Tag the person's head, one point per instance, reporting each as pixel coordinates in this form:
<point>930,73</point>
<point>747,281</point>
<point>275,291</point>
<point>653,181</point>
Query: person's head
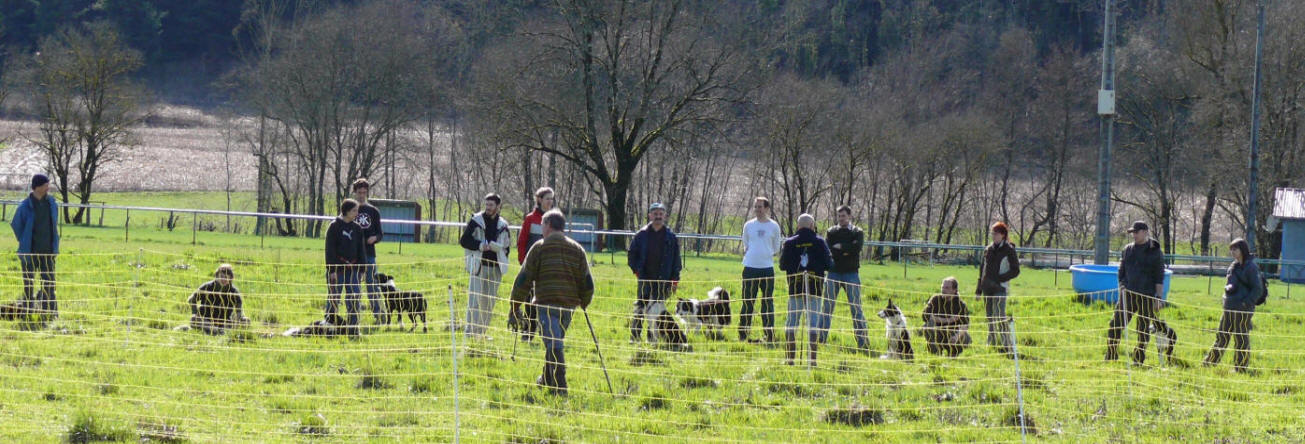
<point>806,221</point>
<point>224,274</point>
<point>1140,232</point>
<point>554,222</point>
<point>492,201</point>
<point>999,232</point>
<point>844,216</point>
<point>1239,249</point>
<point>950,285</point>
<point>761,207</point>
<point>544,198</point>
<point>657,215</point>
<point>361,189</point>
<point>349,210</point>
<point>40,185</point>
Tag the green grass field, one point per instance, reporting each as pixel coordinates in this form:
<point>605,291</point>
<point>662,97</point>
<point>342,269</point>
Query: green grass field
<point>112,367</point>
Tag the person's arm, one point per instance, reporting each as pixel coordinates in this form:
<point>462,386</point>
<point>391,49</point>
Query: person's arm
<point>380,230</point>
<point>20,221</point>
<point>522,286</point>
<point>332,253</point>
<point>786,261</point>
<point>238,303</point>
<point>747,239</point>
<point>361,251</point>
<point>826,255</point>
<point>468,240</point>
<point>193,301</point>
<point>777,238</point>
<point>523,239</point>
<point>677,261</point>
<point>1159,275</point>
<point>1013,258</point>
<point>634,255</point>
<point>983,264</point>
<point>586,284</point>
<point>1123,270</point>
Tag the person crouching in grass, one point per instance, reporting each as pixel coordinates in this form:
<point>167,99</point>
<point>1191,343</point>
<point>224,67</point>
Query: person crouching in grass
<point>217,306</point>
<point>947,321</point>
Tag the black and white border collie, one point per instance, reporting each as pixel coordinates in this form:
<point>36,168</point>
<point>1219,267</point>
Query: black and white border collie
<point>1165,339</point>
<point>899,337</point>
<point>712,313</point>
<point>410,302</point>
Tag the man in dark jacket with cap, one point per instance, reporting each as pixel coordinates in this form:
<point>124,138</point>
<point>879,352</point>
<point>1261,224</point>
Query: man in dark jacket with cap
<point>806,258</point>
<point>36,226</point>
<point>1141,282</point>
<point>654,257</point>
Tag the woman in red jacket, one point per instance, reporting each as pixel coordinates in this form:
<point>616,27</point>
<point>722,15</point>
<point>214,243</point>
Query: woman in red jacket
<point>532,230</point>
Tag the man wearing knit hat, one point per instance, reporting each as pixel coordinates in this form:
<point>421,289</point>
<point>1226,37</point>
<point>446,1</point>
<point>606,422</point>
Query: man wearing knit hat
<point>36,225</point>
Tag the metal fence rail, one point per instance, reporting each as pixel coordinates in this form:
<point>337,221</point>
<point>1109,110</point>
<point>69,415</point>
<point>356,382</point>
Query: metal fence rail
<point>906,248</point>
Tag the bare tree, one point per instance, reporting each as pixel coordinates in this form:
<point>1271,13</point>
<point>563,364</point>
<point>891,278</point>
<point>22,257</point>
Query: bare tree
<point>87,104</point>
<point>613,79</point>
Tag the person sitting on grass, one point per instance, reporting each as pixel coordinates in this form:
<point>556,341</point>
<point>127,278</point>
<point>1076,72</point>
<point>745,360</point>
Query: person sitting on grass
<point>216,306</point>
<point>947,321</point>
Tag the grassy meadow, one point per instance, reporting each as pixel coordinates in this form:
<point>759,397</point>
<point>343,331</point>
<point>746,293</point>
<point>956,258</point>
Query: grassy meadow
<point>113,369</point>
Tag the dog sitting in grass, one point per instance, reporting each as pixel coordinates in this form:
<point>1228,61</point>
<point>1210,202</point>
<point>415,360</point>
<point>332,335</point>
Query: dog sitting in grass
<point>899,337</point>
<point>410,302</point>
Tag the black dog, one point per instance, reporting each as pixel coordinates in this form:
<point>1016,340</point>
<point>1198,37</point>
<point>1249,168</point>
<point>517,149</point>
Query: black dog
<point>14,310</point>
<point>411,302</point>
<point>712,313</point>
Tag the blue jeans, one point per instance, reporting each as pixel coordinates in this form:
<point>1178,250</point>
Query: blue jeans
<point>346,281</point>
<point>758,280</point>
<point>852,283</point>
<point>797,305</point>
<point>553,322</point>
<point>374,296</point>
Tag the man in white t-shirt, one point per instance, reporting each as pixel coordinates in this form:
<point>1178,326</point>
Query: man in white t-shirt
<point>762,238</point>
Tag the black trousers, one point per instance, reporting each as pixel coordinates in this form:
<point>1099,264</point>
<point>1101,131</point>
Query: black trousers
<point>38,270</point>
<point>1236,324</point>
<point>1129,304</point>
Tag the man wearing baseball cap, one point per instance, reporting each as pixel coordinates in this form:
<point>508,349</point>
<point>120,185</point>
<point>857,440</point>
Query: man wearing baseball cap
<point>1141,282</point>
<point>654,257</point>
<point>36,225</point>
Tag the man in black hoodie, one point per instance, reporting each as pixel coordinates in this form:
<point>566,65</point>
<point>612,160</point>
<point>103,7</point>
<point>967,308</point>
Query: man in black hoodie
<point>345,254</point>
<point>1141,282</point>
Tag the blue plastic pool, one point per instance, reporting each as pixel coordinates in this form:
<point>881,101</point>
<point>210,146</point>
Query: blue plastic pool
<point>1101,282</point>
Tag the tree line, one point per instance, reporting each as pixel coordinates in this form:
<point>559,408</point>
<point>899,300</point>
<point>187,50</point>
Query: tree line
<point>930,118</point>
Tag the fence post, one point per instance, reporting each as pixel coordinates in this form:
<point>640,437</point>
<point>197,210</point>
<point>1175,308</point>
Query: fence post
<point>1019,380</point>
<point>126,228</point>
<point>194,228</point>
<point>453,335</point>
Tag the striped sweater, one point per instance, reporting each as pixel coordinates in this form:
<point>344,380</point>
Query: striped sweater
<point>558,270</point>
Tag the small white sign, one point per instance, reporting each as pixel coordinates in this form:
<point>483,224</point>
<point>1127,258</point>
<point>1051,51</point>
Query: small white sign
<point>1106,102</point>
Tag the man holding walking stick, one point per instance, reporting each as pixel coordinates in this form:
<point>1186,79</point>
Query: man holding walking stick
<point>558,270</point>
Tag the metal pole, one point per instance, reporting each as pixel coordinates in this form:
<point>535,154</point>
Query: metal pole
<point>1019,381</point>
<point>599,352</point>
<point>453,333</point>
<point>194,228</point>
<point>1106,108</point>
<point>126,228</point>
<point>1255,127</point>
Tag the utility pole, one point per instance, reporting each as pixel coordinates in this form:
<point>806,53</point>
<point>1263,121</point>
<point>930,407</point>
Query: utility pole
<point>1106,109</point>
<point>1255,128</point>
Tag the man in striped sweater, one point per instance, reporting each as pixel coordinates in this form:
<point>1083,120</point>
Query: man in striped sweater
<point>557,268</point>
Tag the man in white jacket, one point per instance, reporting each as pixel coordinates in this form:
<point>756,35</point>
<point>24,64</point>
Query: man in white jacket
<point>487,243</point>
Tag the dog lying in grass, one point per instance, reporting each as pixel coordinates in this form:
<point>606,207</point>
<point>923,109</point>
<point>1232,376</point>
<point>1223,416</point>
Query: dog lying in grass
<point>410,302</point>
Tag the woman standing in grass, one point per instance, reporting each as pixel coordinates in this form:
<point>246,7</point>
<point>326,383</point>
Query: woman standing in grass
<point>1240,295</point>
<point>1001,264</point>
<point>345,257</point>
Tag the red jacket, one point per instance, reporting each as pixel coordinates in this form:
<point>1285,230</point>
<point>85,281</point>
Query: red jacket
<point>532,224</point>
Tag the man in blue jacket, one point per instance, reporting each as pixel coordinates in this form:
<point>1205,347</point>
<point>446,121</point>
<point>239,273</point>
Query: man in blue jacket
<point>36,225</point>
<point>806,258</point>
<point>654,257</point>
